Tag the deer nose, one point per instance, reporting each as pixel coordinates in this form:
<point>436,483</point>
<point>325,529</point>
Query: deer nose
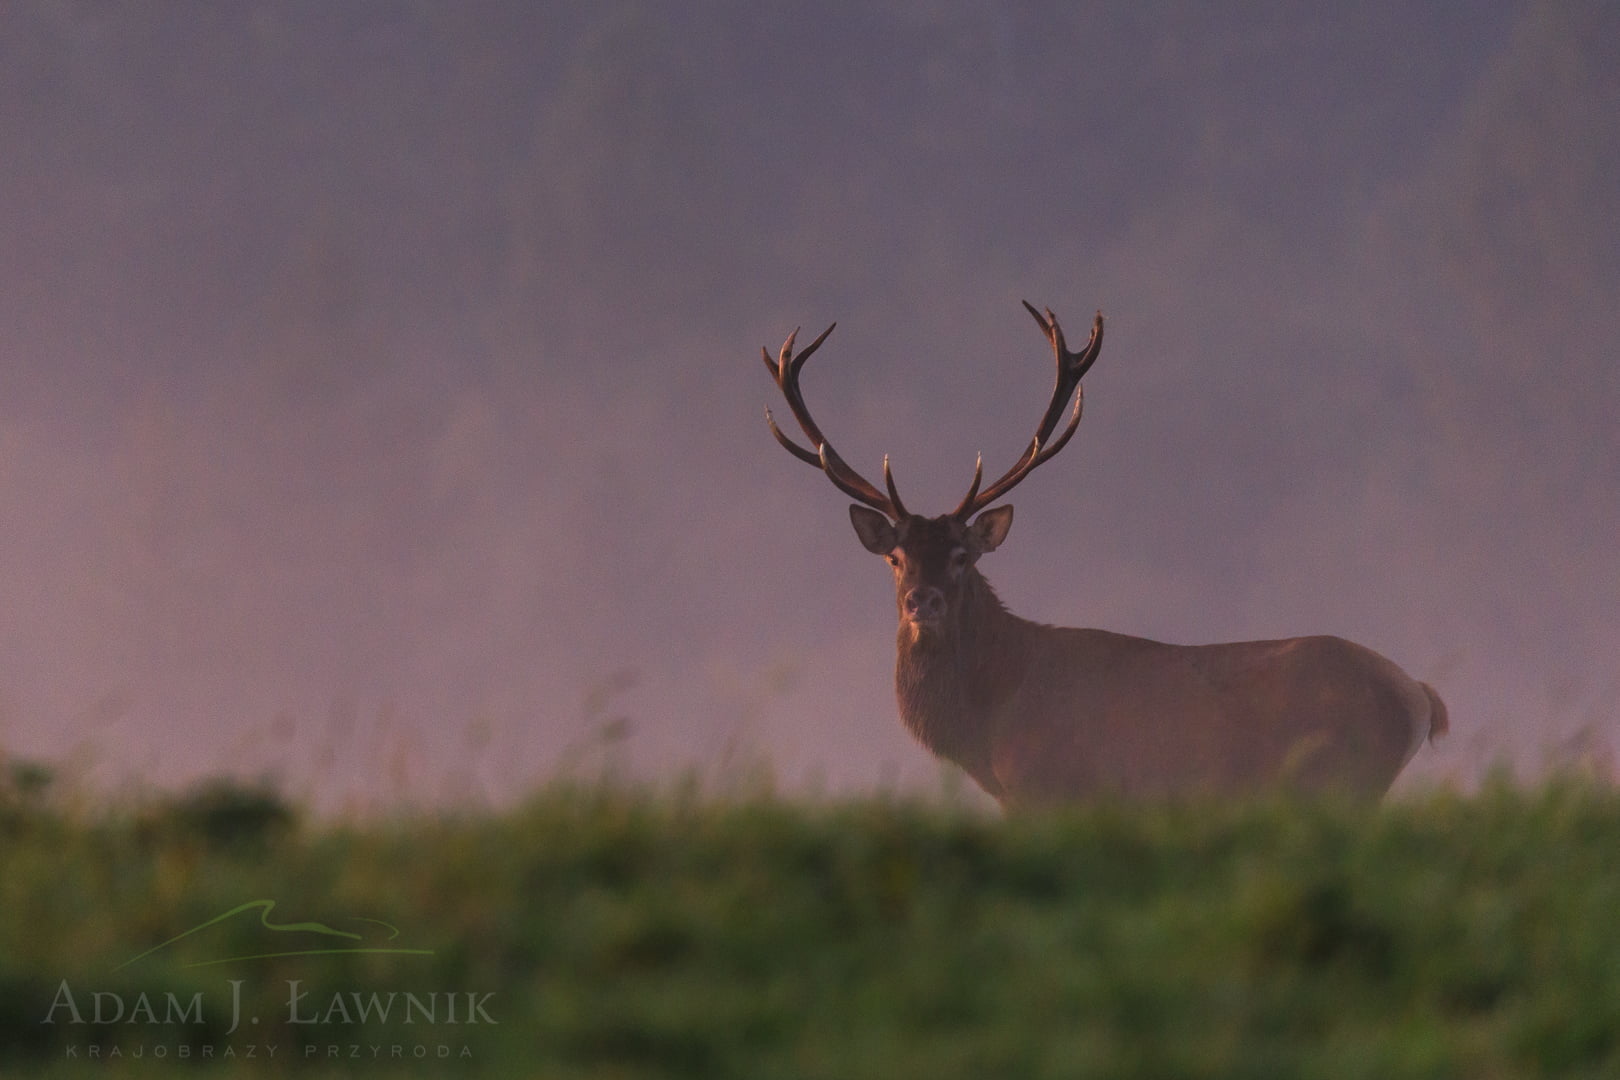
<point>925,602</point>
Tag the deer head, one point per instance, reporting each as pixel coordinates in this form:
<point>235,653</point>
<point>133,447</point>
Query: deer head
<point>934,557</point>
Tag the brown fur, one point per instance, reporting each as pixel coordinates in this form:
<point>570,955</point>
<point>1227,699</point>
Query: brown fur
<point>1039,714</point>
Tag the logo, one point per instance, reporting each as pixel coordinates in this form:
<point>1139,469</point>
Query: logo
<point>355,941</point>
<point>265,1017</point>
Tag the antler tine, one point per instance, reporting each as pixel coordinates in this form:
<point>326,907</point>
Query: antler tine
<point>1071,367</point>
<point>963,508</point>
<point>809,350</point>
<point>894,493</point>
<point>792,447</point>
<point>785,372</point>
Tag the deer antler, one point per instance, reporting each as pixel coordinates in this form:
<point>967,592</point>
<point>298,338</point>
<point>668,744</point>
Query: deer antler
<point>1071,367</point>
<point>785,370</point>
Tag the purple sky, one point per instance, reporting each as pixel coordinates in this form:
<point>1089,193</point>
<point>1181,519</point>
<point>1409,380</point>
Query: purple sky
<point>381,407</point>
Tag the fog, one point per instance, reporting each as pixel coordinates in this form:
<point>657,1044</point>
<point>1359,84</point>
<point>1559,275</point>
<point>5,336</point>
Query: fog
<point>381,410</point>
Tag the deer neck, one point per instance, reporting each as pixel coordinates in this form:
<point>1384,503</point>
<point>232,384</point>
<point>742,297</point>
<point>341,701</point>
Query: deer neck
<point>951,680</point>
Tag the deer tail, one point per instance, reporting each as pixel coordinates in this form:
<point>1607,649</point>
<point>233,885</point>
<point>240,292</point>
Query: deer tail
<point>1439,722</point>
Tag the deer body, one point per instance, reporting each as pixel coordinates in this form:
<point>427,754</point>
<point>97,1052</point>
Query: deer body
<point>1039,714</point>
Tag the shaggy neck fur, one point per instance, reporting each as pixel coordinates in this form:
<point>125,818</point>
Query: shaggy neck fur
<point>951,678</point>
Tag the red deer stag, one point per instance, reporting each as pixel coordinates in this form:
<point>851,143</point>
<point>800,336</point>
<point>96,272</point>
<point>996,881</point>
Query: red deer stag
<point>1040,714</point>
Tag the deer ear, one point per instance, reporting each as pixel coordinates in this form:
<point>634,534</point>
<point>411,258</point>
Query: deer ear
<point>874,529</point>
<point>989,529</point>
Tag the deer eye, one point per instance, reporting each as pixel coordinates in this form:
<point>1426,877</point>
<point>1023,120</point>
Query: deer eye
<point>959,559</point>
<point>894,560</point>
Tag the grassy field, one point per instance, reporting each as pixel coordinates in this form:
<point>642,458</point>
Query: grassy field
<point>604,933</point>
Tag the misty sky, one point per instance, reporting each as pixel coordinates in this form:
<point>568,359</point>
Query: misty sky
<point>381,410</point>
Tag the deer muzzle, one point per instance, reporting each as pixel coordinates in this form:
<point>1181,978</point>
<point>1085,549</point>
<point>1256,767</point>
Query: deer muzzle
<point>923,604</point>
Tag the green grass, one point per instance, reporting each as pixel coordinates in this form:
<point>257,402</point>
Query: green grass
<point>636,935</point>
